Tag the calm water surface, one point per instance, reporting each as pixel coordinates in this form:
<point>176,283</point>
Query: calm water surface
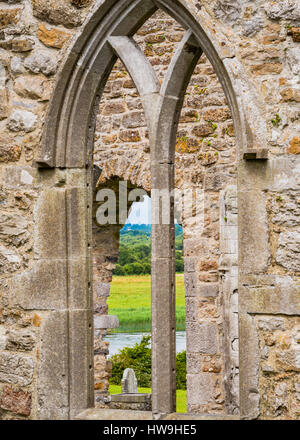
<point>121,340</point>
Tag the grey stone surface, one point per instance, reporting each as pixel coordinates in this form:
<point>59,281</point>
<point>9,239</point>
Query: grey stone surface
<point>103,290</point>
<point>271,324</point>
<point>16,369</point>
<point>201,338</point>
<point>50,224</point>
<point>114,414</point>
<point>41,62</point>
<point>293,57</point>
<point>252,26</point>
<point>20,340</point>
<point>249,362</point>
<point>106,321</point>
<point>200,388</point>
<point>209,290</point>
<point>288,253</point>
<point>53,371</point>
<point>254,253</point>
<point>285,9</point>
<point>10,260</point>
<point>43,288</point>
<point>22,120</point>
<point>129,382</point>
<point>228,10</point>
<point>190,284</point>
<point>81,361</point>
<point>273,294</point>
<point>3,337</point>
<point>131,398</point>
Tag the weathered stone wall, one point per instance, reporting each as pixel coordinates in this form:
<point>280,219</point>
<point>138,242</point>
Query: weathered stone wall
<point>259,44</point>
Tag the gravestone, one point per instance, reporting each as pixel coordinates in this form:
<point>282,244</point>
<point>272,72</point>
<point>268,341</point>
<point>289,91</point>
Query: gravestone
<point>129,382</point>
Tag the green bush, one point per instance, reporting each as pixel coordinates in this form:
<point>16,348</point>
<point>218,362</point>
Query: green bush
<point>181,371</point>
<point>139,358</point>
<point>119,270</point>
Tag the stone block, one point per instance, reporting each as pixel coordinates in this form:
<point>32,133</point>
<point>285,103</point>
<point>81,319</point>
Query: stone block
<point>254,247</point>
<point>269,294</point>
<point>103,290</point>
<point>10,260</point>
<point>210,290</point>
<point>229,246</point>
<point>201,338</point>
<point>42,288</point>
<point>22,120</point>
<point>289,360</point>
<point>193,363</point>
<point>249,363</point>
<point>16,401</point>
<point>16,177</point>
<point>77,205</point>
<point>20,340</point>
<point>189,265</point>
<point>81,361</point>
<point>141,402</point>
<point>16,369</point>
<point>41,61</point>
<point>106,322</point>
<point>200,388</point>
<point>271,324</point>
<point>190,284</point>
<point>50,224</point>
<point>52,37</point>
<point>57,12</point>
<point>3,337</point>
<point>288,252</point>
<point>9,17</point>
<point>53,371</point>
<point>191,309</point>
<point>79,284</point>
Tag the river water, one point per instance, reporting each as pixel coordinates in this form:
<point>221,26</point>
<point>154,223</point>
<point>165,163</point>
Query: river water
<point>120,340</point>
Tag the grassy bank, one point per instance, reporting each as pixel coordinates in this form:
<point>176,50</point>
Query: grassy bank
<point>130,301</point>
<point>180,396</point>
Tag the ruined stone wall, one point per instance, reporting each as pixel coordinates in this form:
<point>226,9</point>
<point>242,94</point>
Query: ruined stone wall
<point>259,44</point>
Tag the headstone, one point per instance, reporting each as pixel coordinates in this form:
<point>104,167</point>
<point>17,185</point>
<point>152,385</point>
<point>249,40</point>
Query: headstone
<point>129,382</point>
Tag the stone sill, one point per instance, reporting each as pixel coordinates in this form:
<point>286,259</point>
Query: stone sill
<point>116,414</point>
<point>131,398</point>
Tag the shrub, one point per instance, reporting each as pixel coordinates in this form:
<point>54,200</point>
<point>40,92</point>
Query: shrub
<point>139,358</point>
<point>181,371</point>
<point>119,270</point>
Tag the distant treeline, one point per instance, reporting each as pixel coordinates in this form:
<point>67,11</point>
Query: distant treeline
<point>135,250</point>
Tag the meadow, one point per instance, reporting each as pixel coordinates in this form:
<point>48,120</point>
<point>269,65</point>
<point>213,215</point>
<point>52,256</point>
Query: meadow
<point>130,301</point>
<point>180,396</point>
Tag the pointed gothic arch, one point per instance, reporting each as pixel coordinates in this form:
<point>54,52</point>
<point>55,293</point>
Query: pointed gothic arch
<point>68,144</point>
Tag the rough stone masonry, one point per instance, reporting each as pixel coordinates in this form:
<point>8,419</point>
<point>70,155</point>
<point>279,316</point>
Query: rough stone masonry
<point>241,272</point>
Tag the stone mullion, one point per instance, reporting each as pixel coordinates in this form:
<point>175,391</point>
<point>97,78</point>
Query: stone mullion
<point>163,292</point>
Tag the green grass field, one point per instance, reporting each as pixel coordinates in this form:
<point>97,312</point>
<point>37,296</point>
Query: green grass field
<point>130,301</point>
<point>180,396</point>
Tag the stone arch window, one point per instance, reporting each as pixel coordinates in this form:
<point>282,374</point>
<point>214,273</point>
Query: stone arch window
<point>67,144</point>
